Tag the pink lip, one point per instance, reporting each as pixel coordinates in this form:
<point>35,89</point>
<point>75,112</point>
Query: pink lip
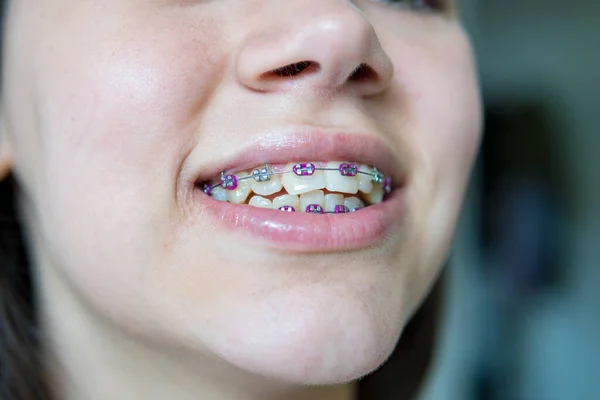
<point>305,232</point>
<point>278,149</point>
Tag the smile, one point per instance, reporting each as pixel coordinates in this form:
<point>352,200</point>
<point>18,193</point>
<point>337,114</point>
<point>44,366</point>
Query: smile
<point>307,206</point>
<point>314,187</point>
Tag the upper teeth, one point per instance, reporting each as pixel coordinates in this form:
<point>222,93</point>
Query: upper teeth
<point>341,178</point>
<point>365,179</point>
<point>304,183</point>
<point>267,187</point>
<point>241,192</point>
<point>302,180</point>
<point>261,174</point>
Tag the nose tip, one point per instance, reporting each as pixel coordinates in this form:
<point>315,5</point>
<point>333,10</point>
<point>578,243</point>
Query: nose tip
<point>328,51</point>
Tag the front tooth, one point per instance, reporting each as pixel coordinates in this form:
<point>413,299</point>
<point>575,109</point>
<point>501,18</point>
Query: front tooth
<point>314,197</point>
<point>332,200</point>
<point>286,200</point>
<point>294,184</point>
<point>365,182</point>
<point>261,202</point>
<point>353,203</point>
<point>336,182</point>
<point>267,188</point>
<point>376,195</point>
<point>218,193</point>
<point>241,192</point>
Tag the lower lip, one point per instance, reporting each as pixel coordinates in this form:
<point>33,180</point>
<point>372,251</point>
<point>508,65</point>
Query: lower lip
<point>306,232</point>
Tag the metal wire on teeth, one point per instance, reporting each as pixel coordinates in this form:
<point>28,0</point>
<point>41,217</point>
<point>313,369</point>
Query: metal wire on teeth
<point>318,209</point>
<point>264,174</point>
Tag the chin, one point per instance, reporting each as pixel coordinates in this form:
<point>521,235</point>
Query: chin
<point>316,336</point>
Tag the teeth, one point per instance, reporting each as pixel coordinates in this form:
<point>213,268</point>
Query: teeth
<point>286,200</point>
<point>228,182</point>
<point>260,202</point>
<point>267,188</point>
<point>294,184</point>
<point>219,193</point>
<point>305,183</point>
<point>387,185</point>
<point>378,177</point>
<point>376,195</point>
<point>365,182</point>
<point>335,182</point>
<point>261,174</point>
<point>241,192</point>
<point>353,202</point>
<point>332,200</point>
<point>314,197</point>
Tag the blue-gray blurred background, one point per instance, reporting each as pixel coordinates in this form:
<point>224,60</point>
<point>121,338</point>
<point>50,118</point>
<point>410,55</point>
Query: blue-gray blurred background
<point>522,316</point>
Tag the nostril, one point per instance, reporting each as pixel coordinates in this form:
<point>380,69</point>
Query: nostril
<point>293,69</point>
<point>363,72</point>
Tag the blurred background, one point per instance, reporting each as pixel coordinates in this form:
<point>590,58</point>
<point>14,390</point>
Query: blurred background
<point>521,318</point>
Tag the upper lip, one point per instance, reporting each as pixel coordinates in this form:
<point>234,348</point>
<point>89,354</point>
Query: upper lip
<point>317,146</point>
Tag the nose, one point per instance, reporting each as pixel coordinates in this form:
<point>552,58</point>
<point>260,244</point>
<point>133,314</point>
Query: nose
<point>318,44</point>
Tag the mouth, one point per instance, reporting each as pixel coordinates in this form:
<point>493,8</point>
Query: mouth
<point>333,187</point>
<point>278,195</point>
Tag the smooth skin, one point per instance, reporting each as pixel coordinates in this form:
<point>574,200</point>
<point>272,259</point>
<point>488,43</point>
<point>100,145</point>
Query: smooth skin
<point>107,105</point>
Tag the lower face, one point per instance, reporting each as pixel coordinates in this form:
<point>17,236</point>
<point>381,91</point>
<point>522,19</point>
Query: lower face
<point>119,112</point>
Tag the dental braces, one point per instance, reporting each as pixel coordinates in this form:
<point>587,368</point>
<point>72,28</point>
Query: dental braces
<point>230,182</point>
<point>318,209</point>
<point>264,174</point>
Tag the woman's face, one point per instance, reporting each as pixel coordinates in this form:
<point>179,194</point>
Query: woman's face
<point>114,112</point>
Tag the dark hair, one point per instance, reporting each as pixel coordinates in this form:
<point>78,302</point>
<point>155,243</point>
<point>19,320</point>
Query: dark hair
<point>21,368</point>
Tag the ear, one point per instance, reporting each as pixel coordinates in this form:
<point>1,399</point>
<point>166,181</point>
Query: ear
<point>5,151</point>
<point>5,163</point>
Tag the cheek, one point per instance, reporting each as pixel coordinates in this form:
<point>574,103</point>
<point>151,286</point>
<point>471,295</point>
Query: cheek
<point>445,117</point>
<point>115,94</point>
<point>442,120</point>
<point>452,117</point>
<point>116,118</point>
<point>440,106</point>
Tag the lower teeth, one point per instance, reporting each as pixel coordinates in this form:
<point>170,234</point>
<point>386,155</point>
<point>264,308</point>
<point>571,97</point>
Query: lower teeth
<point>314,202</point>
